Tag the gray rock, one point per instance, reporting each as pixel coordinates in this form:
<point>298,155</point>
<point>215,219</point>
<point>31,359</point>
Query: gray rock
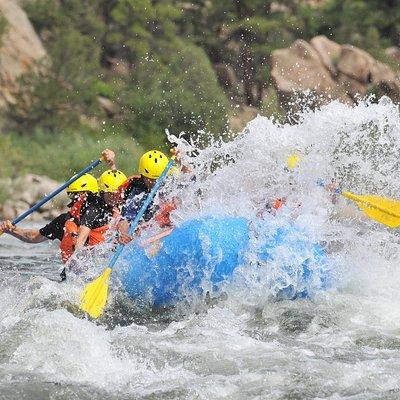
<point>352,87</point>
<point>328,71</point>
<point>328,51</point>
<point>26,191</point>
<point>21,50</point>
<point>356,64</point>
<point>299,68</point>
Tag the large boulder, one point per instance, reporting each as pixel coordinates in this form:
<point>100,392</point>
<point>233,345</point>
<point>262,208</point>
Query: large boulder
<point>299,68</point>
<point>329,71</point>
<point>376,77</point>
<point>20,50</point>
<point>328,51</point>
<point>353,88</point>
<point>357,64</point>
<point>390,88</point>
<point>26,191</point>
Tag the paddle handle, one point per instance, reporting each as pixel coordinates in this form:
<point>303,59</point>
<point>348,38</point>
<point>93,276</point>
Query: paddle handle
<point>39,204</point>
<point>142,210</point>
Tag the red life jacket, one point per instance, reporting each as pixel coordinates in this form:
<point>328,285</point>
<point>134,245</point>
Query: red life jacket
<point>278,203</point>
<point>163,217</point>
<point>71,227</point>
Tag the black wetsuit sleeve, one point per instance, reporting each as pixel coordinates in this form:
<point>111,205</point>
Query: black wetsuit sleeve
<point>55,229</point>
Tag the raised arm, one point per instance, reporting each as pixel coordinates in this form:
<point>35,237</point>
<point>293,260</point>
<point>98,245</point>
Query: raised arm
<point>109,157</point>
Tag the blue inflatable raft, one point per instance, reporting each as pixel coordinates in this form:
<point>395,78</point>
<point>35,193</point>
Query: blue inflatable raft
<point>202,255</point>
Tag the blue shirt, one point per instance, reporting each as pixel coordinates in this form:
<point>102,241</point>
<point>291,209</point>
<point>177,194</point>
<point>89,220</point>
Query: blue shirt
<point>136,195</point>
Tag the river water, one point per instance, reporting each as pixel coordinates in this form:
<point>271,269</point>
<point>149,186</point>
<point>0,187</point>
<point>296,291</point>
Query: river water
<point>344,343</point>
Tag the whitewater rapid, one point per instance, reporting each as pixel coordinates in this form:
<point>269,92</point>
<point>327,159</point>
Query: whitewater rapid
<point>342,343</point>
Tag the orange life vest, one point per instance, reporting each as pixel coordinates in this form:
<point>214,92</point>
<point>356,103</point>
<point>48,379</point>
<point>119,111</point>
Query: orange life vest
<point>71,227</point>
<point>163,217</point>
<point>278,203</point>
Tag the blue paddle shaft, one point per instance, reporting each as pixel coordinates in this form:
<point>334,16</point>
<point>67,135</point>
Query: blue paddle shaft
<point>56,192</point>
<point>142,210</point>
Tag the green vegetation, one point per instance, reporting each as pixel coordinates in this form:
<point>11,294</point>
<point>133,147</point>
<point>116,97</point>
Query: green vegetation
<point>120,72</point>
<point>365,23</point>
<point>61,156</point>
<point>168,82</point>
<point>3,27</point>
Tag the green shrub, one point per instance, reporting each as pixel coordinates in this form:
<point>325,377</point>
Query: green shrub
<point>182,95</point>
<point>59,157</point>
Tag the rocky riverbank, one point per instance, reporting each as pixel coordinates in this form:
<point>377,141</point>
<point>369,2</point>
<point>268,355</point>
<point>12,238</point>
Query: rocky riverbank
<point>331,71</point>
<point>25,191</point>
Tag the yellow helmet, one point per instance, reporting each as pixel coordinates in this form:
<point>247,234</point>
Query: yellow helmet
<point>111,180</point>
<point>86,183</point>
<point>292,161</point>
<point>152,164</point>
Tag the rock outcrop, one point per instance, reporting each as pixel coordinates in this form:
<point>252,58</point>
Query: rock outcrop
<point>20,50</point>
<point>300,68</point>
<point>330,71</point>
<point>26,191</point>
<point>328,51</point>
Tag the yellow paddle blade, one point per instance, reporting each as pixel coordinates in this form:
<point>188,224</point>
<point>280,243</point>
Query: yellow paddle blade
<point>94,296</point>
<point>381,209</point>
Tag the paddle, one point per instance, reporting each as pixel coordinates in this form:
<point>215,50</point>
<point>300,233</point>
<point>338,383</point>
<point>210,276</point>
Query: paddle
<point>39,204</point>
<point>381,209</point>
<point>94,296</point>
